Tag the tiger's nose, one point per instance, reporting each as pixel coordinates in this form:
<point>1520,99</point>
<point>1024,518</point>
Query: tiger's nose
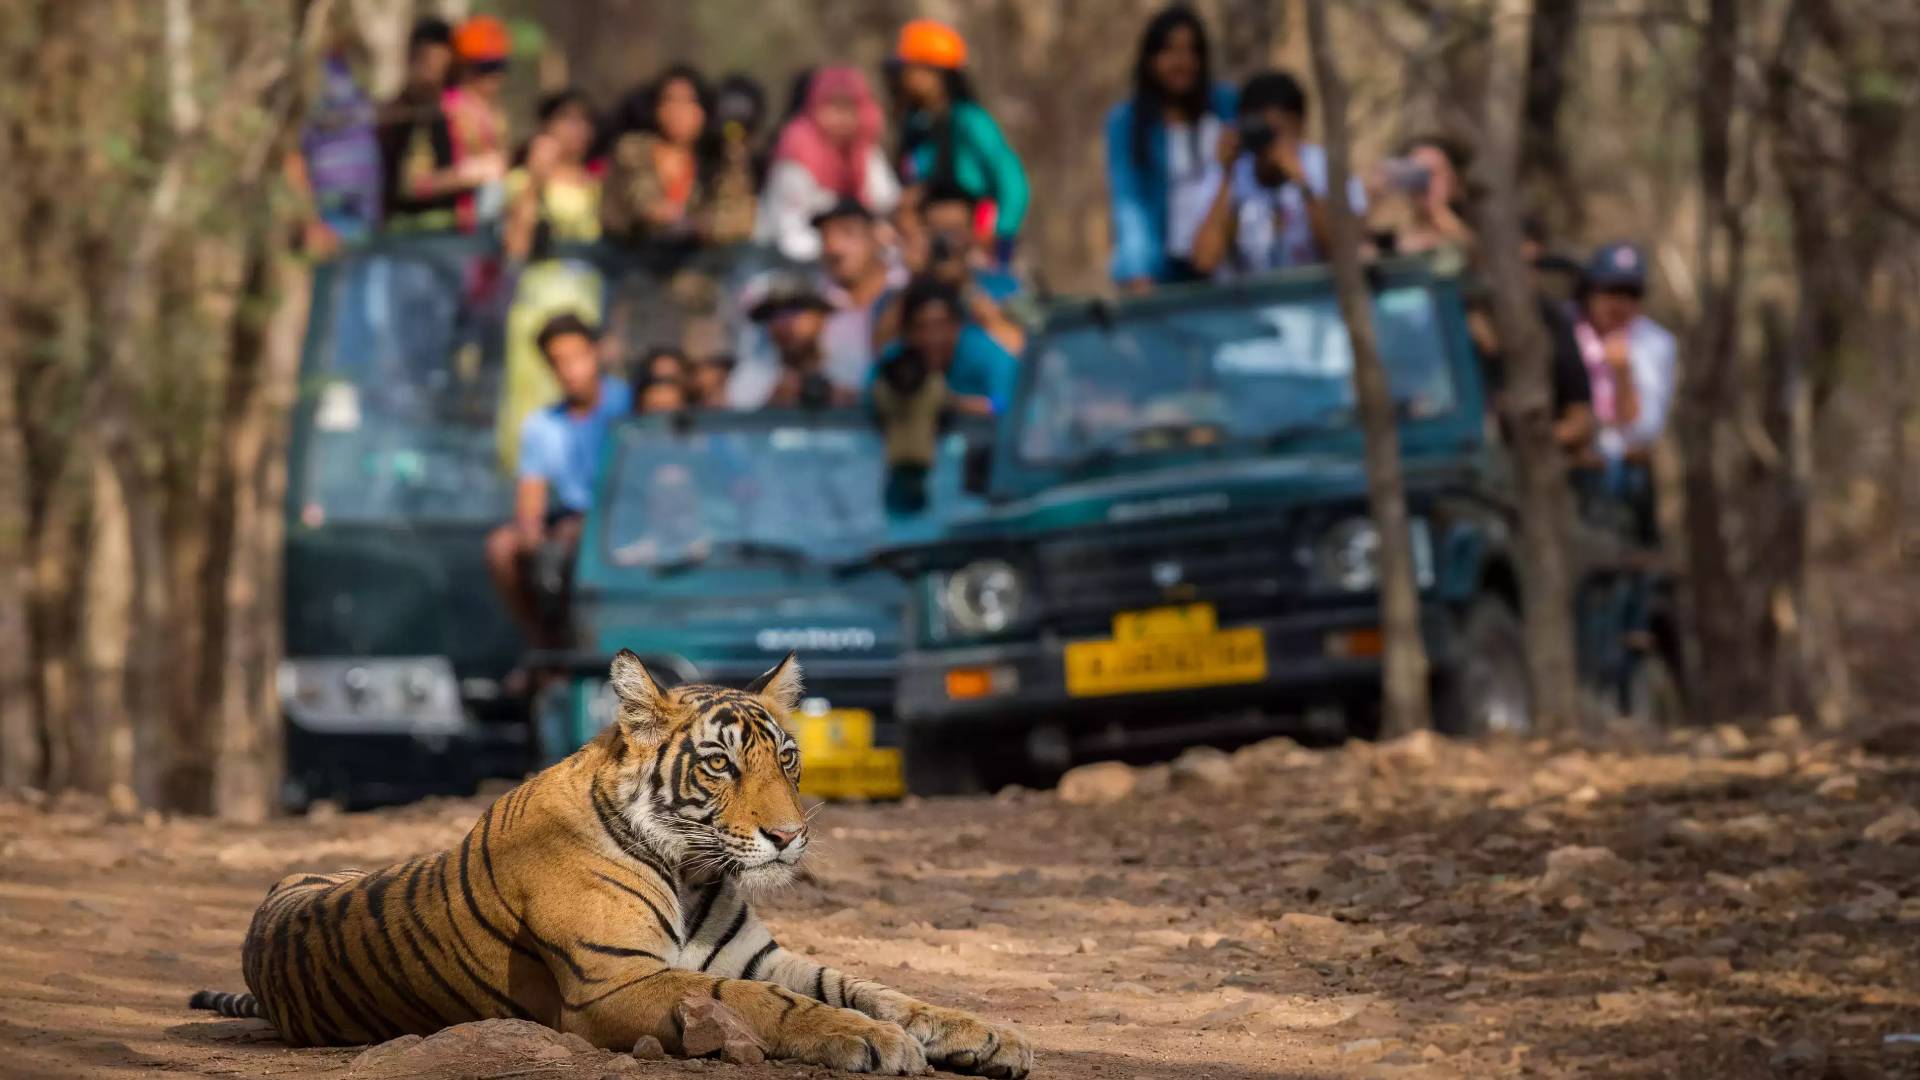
<point>783,836</point>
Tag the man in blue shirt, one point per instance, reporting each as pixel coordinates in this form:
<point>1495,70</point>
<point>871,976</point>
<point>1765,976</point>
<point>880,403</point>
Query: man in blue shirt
<point>559,460</point>
<point>939,346</point>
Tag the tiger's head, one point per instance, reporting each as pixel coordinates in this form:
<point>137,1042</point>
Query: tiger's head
<point>708,776</point>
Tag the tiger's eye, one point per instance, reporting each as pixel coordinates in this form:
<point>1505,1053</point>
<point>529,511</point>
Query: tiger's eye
<point>715,762</point>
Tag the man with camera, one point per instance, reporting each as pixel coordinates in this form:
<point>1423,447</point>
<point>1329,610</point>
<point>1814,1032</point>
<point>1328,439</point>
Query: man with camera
<point>794,313</point>
<point>942,367</point>
<point>941,244</point>
<point>1269,211</point>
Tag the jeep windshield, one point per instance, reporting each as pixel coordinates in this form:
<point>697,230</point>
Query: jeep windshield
<point>787,495</point>
<point>403,381</point>
<point>1225,372</point>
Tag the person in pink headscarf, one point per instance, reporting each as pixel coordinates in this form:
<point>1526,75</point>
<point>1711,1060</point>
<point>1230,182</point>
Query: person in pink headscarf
<point>828,152</point>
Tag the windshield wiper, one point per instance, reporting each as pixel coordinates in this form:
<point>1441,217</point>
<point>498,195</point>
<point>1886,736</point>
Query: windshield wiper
<point>1340,416</point>
<point>792,556</point>
<point>1129,442</point>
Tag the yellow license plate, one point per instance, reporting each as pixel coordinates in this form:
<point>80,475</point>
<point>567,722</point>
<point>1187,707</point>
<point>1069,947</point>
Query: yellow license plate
<point>1172,648</point>
<point>839,761</point>
<point>836,731</point>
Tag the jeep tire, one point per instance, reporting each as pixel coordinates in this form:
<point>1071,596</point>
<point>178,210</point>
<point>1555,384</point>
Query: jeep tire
<point>1486,692</point>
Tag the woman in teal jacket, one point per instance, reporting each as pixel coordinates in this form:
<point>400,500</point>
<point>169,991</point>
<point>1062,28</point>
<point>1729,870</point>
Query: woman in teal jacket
<point>1162,167</point>
<point>949,139</point>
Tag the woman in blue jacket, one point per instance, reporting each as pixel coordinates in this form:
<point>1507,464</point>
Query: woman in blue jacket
<point>1162,167</point>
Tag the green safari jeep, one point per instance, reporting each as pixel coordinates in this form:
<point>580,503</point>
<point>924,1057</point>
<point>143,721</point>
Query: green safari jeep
<point>1178,549</point>
<point>721,541</point>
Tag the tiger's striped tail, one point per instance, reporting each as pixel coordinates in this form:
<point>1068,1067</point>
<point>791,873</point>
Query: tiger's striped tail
<point>238,1005</point>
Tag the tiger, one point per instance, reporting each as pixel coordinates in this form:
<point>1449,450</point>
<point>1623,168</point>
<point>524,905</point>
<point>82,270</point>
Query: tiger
<point>598,895</point>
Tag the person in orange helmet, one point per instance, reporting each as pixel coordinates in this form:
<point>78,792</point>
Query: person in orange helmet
<point>948,139</point>
<point>476,121</point>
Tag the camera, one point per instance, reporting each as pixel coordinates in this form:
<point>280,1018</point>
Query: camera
<point>1407,176</point>
<point>905,374</point>
<point>816,392</point>
<point>941,249</point>
<point>1256,134</point>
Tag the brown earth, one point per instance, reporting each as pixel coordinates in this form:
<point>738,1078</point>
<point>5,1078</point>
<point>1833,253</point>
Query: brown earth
<point>1723,905</point>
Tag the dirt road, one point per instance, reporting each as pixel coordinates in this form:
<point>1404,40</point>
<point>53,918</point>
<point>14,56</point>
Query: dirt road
<point>1721,906</point>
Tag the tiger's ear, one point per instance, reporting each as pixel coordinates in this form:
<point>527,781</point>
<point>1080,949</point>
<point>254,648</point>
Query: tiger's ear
<point>641,700</point>
<point>781,683</point>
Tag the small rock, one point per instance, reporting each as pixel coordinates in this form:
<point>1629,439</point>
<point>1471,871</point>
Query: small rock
<point>576,1043</point>
<point>1088,945</point>
<point>1800,1056</point>
<point>1894,827</point>
<point>1364,1048</point>
<point>1730,740</point>
<point>1307,927</point>
<point>1416,749</point>
<point>1839,786</point>
<point>1573,870</point>
<point>322,811</point>
<point>1772,765</point>
<point>1097,784</point>
<point>1012,793</point>
<point>1785,727</point>
<point>648,1048</point>
<point>618,1068</point>
<point>1750,828</point>
<point>709,1027</point>
<point>1226,1014</point>
<point>1611,939</point>
<point>385,1054</point>
<point>1204,767</point>
<point>1150,780</point>
<point>463,1048</point>
<point>1691,834</point>
<point>1696,969</point>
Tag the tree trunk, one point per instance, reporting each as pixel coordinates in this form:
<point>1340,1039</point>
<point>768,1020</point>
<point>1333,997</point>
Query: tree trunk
<point>1405,683</point>
<point>1546,175</point>
<point>1718,610</point>
<point>21,756</point>
<point>1547,580</point>
<point>248,527</point>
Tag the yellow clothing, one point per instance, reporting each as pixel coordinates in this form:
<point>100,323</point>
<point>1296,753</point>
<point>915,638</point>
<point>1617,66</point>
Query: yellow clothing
<point>570,208</point>
<point>545,289</point>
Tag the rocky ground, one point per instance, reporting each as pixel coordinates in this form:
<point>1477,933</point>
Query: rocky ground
<point>1720,904</point>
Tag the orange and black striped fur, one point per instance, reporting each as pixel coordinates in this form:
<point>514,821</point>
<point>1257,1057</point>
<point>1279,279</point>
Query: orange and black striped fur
<point>595,897</point>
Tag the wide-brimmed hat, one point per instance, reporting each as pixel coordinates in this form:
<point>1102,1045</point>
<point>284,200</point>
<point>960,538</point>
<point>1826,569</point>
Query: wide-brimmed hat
<point>782,291</point>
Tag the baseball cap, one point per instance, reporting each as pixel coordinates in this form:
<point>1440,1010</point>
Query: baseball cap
<point>1617,266</point>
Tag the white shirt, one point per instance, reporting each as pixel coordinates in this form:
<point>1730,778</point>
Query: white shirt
<point>1273,231</point>
<point>846,347</point>
<point>1193,175</point>
<point>791,197</point>
<point>1653,359</point>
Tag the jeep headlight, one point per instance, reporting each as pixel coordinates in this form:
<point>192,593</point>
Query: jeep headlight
<point>1347,556</point>
<point>985,596</point>
<point>417,694</point>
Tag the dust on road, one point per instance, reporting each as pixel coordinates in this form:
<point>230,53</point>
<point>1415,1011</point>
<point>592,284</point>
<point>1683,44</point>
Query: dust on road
<point>1719,905</point>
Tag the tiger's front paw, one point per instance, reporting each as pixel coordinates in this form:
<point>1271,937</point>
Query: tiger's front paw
<point>964,1043</point>
<point>851,1041</point>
